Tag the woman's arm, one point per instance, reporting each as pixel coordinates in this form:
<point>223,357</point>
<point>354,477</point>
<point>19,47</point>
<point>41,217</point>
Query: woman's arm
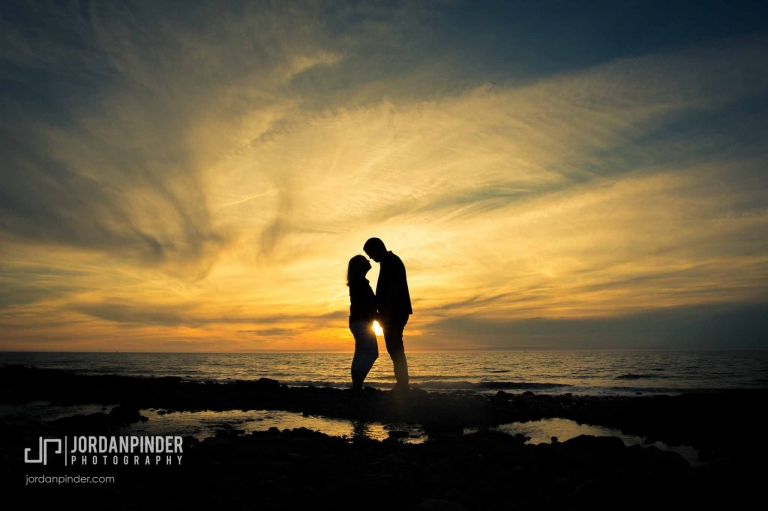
<point>371,304</point>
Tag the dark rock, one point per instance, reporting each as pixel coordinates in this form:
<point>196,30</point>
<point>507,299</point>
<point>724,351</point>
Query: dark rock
<point>539,481</point>
<point>596,444</point>
<point>517,473</point>
<point>521,438</point>
<point>390,442</point>
<point>715,470</point>
<point>226,433</point>
<point>585,450</point>
<point>125,415</point>
<point>554,439</point>
<point>95,424</point>
<point>188,442</point>
<point>438,505</point>
<point>460,497</point>
<point>260,385</point>
<point>303,432</point>
<point>591,488</point>
<point>448,427</point>
<point>665,459</point>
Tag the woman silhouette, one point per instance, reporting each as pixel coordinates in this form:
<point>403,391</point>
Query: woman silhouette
<point>362,312</point>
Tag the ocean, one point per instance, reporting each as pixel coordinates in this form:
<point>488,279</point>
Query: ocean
<point>616,372</point>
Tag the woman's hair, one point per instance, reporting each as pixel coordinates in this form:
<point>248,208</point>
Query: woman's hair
<point>358,265</point>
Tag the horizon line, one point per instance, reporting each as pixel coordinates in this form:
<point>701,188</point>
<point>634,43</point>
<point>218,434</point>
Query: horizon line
<point>454,350</point>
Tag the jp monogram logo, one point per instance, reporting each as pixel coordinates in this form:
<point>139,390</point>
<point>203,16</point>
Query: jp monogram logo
<point>43,455</point>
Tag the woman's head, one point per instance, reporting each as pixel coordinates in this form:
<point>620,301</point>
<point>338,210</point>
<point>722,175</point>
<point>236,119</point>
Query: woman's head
<point>358,267</point>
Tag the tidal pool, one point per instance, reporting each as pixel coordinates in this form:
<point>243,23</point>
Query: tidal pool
<point>207,423</point>
<point>542,431</point>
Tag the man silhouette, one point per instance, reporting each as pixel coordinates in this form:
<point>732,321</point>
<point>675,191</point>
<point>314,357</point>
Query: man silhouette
<point>394,305</point>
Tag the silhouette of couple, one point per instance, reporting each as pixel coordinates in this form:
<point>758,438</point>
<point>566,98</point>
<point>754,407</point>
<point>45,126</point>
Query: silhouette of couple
<point>390,306</point>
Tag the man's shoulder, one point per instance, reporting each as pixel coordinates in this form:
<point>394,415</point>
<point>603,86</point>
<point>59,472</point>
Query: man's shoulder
<point>395,259</point>
<point>395,263</point>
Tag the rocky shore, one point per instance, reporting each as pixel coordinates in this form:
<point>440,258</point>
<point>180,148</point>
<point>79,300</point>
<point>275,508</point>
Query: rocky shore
<point>298,468</point>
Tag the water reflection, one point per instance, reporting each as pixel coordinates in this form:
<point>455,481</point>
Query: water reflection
<point>207,424</point>
<point>542,431</point>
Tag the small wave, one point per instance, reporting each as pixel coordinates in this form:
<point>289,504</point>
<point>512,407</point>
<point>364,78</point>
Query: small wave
<point>638,376</point>
<point>628,391</point>
<point>443,385</point>
<point>440,384</point>
<point>484,385</point>
<point>500,371</point>
<point>518,385</point>
<point>316,383</point>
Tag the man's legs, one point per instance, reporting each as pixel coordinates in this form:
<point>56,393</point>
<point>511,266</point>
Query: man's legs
<point>393,337</point>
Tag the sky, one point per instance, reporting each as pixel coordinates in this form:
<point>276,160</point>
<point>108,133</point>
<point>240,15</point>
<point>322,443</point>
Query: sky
<point>195,176</point>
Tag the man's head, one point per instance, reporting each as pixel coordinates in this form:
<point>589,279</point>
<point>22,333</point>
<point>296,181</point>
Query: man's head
<point>375,249</point>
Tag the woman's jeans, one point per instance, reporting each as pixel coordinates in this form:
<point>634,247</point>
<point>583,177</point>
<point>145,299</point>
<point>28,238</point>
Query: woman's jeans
<point>366,346</point>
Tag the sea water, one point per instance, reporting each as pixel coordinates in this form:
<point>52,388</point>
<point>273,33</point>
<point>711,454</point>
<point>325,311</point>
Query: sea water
<point>554,372</point>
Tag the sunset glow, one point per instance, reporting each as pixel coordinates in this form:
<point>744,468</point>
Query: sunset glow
<point>207,195</point>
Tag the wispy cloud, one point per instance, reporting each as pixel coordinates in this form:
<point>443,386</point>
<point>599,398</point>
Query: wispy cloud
<point>200,178</point>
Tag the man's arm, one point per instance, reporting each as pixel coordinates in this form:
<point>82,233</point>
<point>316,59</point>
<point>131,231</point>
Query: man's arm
<point>394,285</point>
<point>392,289</point>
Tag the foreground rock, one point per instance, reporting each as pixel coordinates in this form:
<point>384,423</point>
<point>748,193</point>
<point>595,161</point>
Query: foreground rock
<point>303,469</point>
<point>126,415</point>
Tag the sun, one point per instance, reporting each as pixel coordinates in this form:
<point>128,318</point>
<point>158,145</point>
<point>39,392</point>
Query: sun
<point>377,328</point>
